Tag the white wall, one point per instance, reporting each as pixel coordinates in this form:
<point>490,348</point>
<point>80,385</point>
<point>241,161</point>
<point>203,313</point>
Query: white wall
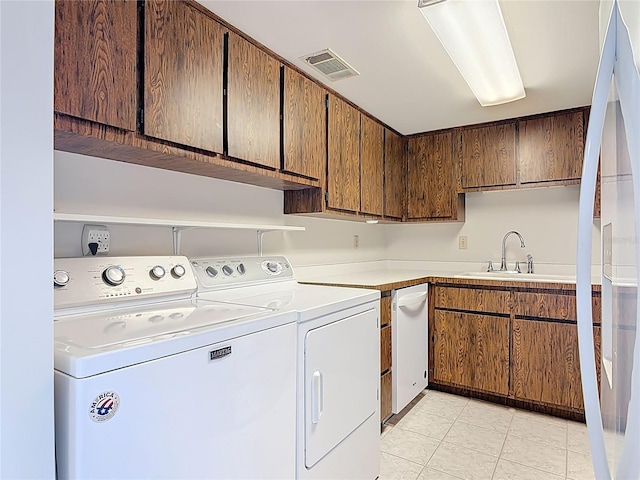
<point>92,185</point>
<point>26,323</point>
<point>546,217</point>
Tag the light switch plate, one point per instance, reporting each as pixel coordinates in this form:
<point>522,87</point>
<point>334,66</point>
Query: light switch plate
<point>462,242</point>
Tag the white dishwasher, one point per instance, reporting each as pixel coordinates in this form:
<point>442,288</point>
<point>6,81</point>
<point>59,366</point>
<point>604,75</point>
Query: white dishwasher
<point>409,344</point>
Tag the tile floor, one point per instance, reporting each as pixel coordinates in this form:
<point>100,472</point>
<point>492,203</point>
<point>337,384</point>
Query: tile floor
<point>450,437</point>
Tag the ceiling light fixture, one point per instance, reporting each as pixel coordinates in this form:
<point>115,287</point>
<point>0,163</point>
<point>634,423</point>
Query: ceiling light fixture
<point>474,35</point>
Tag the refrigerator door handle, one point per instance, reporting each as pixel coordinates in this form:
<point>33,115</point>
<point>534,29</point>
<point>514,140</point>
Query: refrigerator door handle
<point>583,266</point>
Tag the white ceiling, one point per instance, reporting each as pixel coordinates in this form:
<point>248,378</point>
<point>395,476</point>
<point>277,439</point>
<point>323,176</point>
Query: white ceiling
<point>406,78</point>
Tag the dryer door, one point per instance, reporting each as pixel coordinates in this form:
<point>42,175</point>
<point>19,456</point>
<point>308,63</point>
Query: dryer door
<point>341,363</point>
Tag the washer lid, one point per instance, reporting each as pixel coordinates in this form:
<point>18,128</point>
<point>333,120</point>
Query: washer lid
<point>134,326</point>
<point>86,345</point>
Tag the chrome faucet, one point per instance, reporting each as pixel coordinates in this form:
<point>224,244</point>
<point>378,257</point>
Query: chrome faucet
<point>503,260</point>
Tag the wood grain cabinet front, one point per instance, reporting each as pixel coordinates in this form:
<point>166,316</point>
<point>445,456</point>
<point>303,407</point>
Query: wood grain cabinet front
<point>95,56</point>
<point>471,351</point>
<point>488,155</point>
<point>386,371</point>
<point>395,175</point>
<point>343,165</point>
<point>371,166</point>
<point>516,343</point>
<point>183,75</point>
<point>431,192</point>
<point>551,148</point>
<point>253,104</point>
<point>304,124</point>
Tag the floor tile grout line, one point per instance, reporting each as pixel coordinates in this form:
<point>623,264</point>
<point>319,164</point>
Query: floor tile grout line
<point>513,414</point>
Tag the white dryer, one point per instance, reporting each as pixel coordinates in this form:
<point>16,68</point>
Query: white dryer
<point>338,363</point>
<point>148,385</point>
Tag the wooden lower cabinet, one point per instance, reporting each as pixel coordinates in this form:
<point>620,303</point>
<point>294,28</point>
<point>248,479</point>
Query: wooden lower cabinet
<point>546,363</point>
<point>385,356</point>
<point>472,351</point>
<point>385,396</point>
<point>518,343</point>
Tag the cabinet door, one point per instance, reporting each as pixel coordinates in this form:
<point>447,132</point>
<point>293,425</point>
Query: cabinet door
<point>343,167</point>
<point>430,177</point>
<point>385,395</point>
<point>304,122</point>
<point>395,175</point>
<point>488,156</point>
<point>184,55</point>
<point>96,61</point>
<point>472,351</point>
<point>551,148</point>
<point>546,363</point>
<point>371,173</point>
<point>253,104</point>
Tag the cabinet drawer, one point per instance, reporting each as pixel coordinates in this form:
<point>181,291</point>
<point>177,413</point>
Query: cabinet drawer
<point>552,306</point>
<point>385,311</point>
<point>385,348</point>
<point>472,299</point>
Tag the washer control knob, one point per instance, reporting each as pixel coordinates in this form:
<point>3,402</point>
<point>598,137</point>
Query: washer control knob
<point>212,272</point>
<point>227,270</point>
<point>272,267</point>
<point>60,278</point>
<point>241,269</point>
<point>113,275</point>
<point>178,271</point>
<point>157,272</point>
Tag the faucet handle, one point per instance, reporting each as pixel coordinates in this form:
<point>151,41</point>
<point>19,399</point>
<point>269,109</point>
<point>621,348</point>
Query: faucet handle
<point>529,263</point>
<point>518,267</point>
<point>489,266</point>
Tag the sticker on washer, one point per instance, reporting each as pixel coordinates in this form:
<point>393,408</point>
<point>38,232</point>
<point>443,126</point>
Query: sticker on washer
<point>104,406</point>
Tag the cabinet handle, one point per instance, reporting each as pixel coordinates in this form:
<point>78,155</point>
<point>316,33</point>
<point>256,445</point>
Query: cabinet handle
<point>317,395</point>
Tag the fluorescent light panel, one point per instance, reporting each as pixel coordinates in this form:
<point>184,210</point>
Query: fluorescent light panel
<point>475,37</point>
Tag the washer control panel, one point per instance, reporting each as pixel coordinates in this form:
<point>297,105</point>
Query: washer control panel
<point>216,272</point>
<point>96,280</point>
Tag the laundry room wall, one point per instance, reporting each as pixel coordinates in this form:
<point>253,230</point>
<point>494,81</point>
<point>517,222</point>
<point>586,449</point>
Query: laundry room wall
<point>546,217</point>
<point>97,186</point>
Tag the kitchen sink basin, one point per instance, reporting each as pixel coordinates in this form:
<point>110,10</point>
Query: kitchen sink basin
<point>511,275</point>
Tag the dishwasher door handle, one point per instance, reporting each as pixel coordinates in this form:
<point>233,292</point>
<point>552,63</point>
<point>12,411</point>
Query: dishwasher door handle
<point>317,395</point>
<point>412,299</point>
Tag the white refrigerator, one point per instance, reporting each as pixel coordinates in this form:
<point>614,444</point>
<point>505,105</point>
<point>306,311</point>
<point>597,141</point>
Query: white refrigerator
<point>612,409</point>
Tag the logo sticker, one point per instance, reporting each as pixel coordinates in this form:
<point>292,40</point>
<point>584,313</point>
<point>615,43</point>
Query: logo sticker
<point>104,406</point>
<point>219,353</point>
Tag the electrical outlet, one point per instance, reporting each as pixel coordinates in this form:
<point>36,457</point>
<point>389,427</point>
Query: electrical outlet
<point>95,234</point>
<point>462,242</point>
<point>356,241</point>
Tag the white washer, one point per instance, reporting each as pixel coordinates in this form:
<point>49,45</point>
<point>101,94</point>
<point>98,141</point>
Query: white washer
<point>149,386</point>
<point>338,429</point>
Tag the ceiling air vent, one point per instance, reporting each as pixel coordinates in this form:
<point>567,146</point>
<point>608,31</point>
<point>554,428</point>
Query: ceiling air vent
<point>330,65</point>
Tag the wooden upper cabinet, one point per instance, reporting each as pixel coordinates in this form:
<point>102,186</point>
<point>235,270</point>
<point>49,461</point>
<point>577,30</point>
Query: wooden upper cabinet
<point>431,192</point>
<point>184,57</point>
<point>304,126</point>
<point>95,73</point>
<point>395,175</point>
<point>488,155</point>
<point>343,166</point>
<point>253,104</point>
<point>371,166</point>
<point>551,147</point>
